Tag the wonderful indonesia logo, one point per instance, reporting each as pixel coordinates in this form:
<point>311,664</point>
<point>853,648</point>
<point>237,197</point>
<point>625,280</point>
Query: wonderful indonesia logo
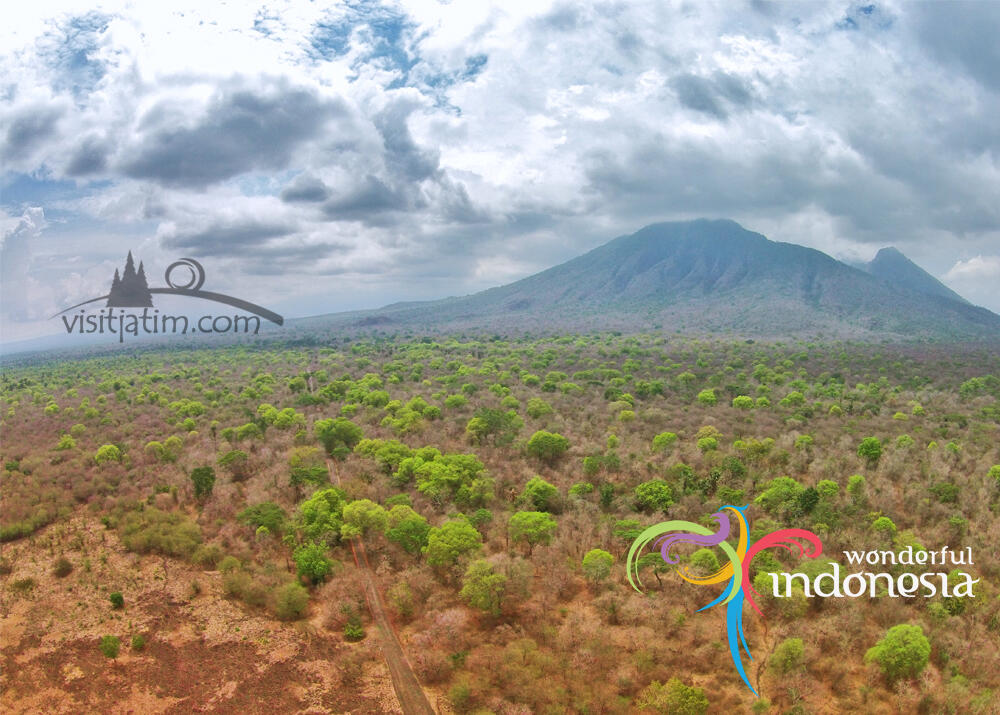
<point>829,584</point>
<point>129,292</point>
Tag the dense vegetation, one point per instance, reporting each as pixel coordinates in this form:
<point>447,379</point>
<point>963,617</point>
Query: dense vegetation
<point>497,483</point>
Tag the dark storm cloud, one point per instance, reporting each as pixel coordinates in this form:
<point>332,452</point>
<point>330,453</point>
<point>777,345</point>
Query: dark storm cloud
<point>28,130</point>
<point>654,178</point>
<point>732,88</point>
<point>305,188</point>
<point>697,93</point>
<point>367,202</point>
<point>91,157</point>
<point>228,239</point>
<point>403,157</point>
<point>965,35</point>
<point>457,207</point>
<point>286,258</point>
<point>242,130</point>
<point>706,94</point>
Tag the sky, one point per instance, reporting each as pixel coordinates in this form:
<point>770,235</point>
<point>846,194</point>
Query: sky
<point>320,157</point>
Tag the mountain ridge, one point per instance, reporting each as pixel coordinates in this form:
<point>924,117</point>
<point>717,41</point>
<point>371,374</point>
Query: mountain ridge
<point>891,265</point>
<point>701,276</point>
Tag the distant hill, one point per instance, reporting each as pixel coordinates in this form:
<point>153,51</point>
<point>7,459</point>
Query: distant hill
<point>893,267</point>
<point>703,277</point>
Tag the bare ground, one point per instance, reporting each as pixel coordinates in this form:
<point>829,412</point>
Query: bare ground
<point>204,653</point>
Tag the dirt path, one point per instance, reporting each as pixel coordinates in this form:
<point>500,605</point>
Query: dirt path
<point>412,699</point>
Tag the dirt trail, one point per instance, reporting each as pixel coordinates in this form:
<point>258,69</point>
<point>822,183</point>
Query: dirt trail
<point>412,699</point>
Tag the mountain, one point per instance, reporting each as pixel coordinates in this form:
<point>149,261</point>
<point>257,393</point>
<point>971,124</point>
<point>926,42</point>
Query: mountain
<point>893,267</point>
<point>703,277</point>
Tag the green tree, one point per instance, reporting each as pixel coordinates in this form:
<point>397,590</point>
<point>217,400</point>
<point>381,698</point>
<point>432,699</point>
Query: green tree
<point>155,450</point>
<point>743,402</point>
<point>686,380</point>
<point>291,601</point>
<point>460,476</point>
<point>498,426</point>
<point>236,462</point>
<point>266,514</point>
<point>597,565</point>
<point>110,645</point>
<point>827,489</point>
<point>407,529</point>
<point>902,653</point>
<point>807,500</point>
<point>780,496</point>
<point>203,479</point>
<point>627,530</point>
<point>664,441</point>
<point>62,567</point>
<point>793,399</point>
<point>531,528</point>
<point>673,698</point>
<point>884,525</point>
<point>311,562</point>
<point>452,540</point>
<point>483,587</point>
<point>654,495</point>
<point>108,453</point>
<point>704,561</point>
<point>870,450</point>
<point>540,494</point>
<point>754,450</point>
<point>537,407</point>
<point>788,656</point>
<point>338,435</point>
<point>361,516</point>
<point>315,474</point>
<point>249,431</point>
<point>708,444</point>
<point>547,447</point>
<point>655,562</point>
<point>476,430</point>
<point>388,454</point>
<point>707,397</point>
<point>994,473</point>
<point>455,402</point>
<point>165,533</point>
<point>856,486</point>
<point>480,518</point>
<point>320,516</point>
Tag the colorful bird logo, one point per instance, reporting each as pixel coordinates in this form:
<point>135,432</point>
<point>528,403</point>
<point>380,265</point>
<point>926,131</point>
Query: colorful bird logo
<point>736,571</point>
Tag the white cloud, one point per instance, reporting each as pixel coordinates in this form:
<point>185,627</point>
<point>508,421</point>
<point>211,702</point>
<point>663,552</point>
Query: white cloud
<point>977,280</point>
<point>975,268</point>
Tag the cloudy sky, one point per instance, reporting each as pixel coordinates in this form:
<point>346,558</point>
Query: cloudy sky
<point>318,157</point>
